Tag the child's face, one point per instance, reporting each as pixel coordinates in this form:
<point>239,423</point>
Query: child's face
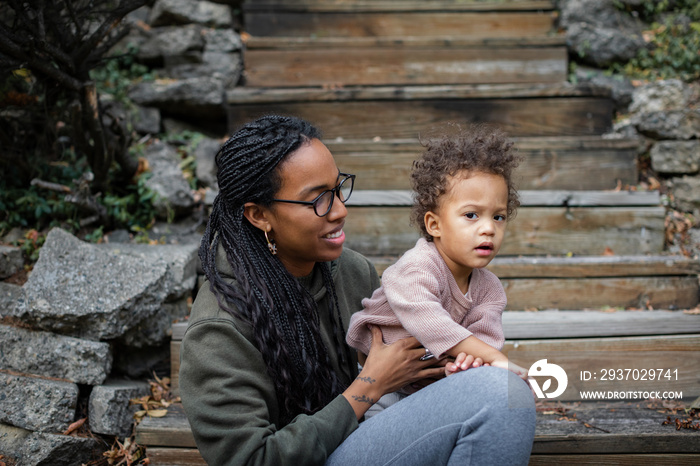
<point>470,222</point>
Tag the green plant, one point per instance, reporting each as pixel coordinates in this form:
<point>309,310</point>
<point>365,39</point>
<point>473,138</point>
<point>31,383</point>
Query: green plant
<point>187,142</point>
<point>133,208</point>
<point>118,73</point>
<point>674,41</point>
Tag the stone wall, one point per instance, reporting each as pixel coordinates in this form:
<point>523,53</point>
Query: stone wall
<point>73,340</point>
<point>664,116</point>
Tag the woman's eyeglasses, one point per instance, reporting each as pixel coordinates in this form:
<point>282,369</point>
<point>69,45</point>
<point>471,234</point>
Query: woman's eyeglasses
<point>324,201</point>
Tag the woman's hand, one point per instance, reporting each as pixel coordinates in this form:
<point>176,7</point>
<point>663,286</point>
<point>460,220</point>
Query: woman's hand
<point>387,369</point>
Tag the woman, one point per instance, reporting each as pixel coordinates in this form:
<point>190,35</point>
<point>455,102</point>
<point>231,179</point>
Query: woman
<point>266,376</point>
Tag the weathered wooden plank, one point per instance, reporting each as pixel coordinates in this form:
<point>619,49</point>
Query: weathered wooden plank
<point>677,459</point>
<point>256,95</point>
<point>394,6</point>
<point>175,365</point>
<point>578,266</point>
<point>400,24</point>
<point>408,118</point>
<point>255,43</point>
<point>404,66</point>
<point>528,198</point>
<point>547,164</point>
<point>173,430</point>
<point>579,324</point>
<point>175,457</point>
<point>597,293</point>
<point>535,231</point>
<point>667,343</point>
<point>593,266</point>
<point>631,428</point>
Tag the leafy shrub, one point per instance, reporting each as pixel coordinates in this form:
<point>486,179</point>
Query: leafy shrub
<point>674,41</point>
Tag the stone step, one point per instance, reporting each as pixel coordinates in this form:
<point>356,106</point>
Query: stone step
<point>399,112</point>
<point>398,19</point>
<point>561,163</point>
<point>291,62</point>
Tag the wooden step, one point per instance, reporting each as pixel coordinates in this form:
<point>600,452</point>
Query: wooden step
<point>293,62</point>
<point>597,282</point>
<point>555,163</point>
<point>397,112</point>
<point>585,224</point>
<point>474,19</point>
<point>620,428</point>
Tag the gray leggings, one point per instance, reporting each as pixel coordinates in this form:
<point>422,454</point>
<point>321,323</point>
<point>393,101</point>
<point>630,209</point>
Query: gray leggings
<point>483,416</point>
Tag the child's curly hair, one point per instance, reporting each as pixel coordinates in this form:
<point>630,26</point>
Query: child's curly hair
<point>478,148</point>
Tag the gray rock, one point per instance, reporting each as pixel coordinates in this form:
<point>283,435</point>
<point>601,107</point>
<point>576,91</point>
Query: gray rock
<point>227,67</point>
<point>222,40</point>
<point>11,441</point>
<point>157,329</point>
<point>621,89</point>
<point>11,260</point>
<point>37,404</point>
<point>168,182</point>
<point>602,13</point>
<point>686,193</point>
<point>42,449</point>
<point>147,120</point>
<point>602,47</point>
<point>180,260</point>
<point>675,124</point>
<point>171,41</point>
<point>190,11</point>
<point>11,298</point>
<point>194,97</point>
<point>672,94</point>
<point>205,153</point>
<point>676,157</point>
<point>110,410</point>
<point>79,289</point>
<point>51,355</point>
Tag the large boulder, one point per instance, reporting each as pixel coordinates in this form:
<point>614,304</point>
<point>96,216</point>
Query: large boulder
<point>172,41</point>
<point>190,11</point>
<point>11,298</point>
<point>47,354</point>
<point>599,33</point>
<point>37,404</point>
<point>191,98</point>
<point>174,195</point>
<point>43,449</point>
<point>601,47</point>
<point>686,193</point>
<point>676,157</point>
<point>658,96</point>
<point>674,124</point>
<point>79,289</point>
<point>111,413</point>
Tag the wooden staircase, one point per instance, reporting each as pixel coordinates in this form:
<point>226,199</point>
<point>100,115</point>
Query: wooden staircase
<point>586,251</point>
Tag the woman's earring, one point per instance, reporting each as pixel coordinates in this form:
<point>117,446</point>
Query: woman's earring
<point>271,245</point>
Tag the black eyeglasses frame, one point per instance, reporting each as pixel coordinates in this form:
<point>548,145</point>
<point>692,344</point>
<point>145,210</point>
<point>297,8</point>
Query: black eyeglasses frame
<point>335,191</point>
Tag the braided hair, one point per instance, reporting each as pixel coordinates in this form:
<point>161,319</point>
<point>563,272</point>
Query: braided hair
<point>282,313</point>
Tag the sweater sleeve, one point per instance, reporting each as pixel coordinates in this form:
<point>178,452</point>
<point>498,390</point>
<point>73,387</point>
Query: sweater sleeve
<point>413,292</point>
<point>485,318</point>
<point>231,404</point>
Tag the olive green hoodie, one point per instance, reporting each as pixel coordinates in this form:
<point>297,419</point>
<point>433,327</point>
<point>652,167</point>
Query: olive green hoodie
<point>230,400</point>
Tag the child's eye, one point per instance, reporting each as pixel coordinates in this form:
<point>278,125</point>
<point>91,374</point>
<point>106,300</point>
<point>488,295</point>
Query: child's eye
<point>471,215</point>
<point>500,218</point>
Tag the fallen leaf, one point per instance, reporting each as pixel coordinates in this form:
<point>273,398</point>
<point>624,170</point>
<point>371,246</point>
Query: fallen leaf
<point>75,426</point>
<point>157,413</point>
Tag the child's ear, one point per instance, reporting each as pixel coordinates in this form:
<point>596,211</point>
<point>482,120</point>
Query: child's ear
<point>432,224</point>
<point>257,216</point>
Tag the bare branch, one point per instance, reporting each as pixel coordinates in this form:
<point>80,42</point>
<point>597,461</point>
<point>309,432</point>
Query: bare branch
<point>61,188</point>
<point>107,25</point>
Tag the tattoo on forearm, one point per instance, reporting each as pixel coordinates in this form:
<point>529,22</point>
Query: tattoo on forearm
<point>367,379</point>
<point>363,399</point>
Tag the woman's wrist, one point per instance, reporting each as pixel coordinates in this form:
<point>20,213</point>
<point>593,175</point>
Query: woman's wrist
<point>362,393</point>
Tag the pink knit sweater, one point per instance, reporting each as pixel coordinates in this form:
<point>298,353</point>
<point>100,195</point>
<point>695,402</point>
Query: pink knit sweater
<point>420,297</point>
